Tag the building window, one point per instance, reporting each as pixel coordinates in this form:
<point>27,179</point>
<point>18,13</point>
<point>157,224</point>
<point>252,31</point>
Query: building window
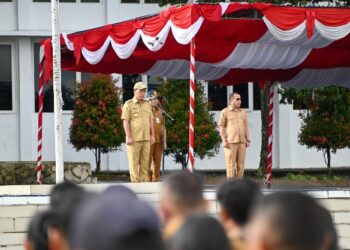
<point>151,1</point>
<point>86,76</point>
<point>128,86</point>
<point>6,1</point>
<point>130,1</point>
<point>5,77</point>
<point>153,83</point>
<point>48,1</point>
<point>256,97</point>
<point>67,1</point>
<point>68,87</point>
<point>217,96</point>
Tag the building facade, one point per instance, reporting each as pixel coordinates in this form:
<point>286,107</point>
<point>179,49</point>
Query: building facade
<point>23,23</point>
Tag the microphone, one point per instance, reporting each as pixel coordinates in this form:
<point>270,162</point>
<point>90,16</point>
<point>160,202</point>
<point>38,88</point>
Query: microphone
<point>165,113</point>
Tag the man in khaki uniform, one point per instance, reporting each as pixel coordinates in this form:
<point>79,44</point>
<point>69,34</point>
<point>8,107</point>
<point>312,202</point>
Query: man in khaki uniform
<point>138,126</point>
<point>234,133</point>
<point>156,151</point>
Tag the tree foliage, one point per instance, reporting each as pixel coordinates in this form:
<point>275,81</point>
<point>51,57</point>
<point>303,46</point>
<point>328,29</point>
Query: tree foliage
<point>207,138</point>
<point>326,118</point>
<point>96,122</point>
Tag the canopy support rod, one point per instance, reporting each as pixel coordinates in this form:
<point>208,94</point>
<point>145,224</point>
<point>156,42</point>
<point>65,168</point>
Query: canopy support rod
<point>270,136</point>
<point>39,166</point>
<point>192,91</point>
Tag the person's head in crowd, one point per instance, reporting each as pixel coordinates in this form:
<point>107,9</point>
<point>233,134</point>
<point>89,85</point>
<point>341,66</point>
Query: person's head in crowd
<point>181,195</point>
<point>292,221</point>
<point>199,232</point>
<point>118,190</point>
<point>115,219</point>
<point>331,237</point>
<point>64,192</point>
<point>236,198</point>
<point>43,224</point>
<point>65,197</point>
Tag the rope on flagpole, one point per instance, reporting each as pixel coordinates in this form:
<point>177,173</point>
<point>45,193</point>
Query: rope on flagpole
<point>270,136</point>
<point>192,90</point>
<point>39,167</point>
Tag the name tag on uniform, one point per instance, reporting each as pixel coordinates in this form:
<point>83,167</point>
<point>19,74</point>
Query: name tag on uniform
<point>157,120</point>
<point>136,114</point>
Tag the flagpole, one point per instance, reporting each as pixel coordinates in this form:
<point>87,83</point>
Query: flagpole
<point>58,103</point>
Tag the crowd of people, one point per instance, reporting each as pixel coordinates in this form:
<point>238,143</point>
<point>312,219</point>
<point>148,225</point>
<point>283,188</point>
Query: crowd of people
<point>118,219</point>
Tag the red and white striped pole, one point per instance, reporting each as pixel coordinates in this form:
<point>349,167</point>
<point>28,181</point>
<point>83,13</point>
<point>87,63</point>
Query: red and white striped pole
<point>270,136</point>
<point>39,167</point>
<point>192,90</point>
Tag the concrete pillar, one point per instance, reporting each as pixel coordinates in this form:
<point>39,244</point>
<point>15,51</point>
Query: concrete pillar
<point>27,130</point>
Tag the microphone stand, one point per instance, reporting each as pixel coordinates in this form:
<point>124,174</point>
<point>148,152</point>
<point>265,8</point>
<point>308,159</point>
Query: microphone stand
<point>164,114</point>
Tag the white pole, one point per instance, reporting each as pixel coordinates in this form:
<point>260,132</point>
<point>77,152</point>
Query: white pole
<point>56,48</point>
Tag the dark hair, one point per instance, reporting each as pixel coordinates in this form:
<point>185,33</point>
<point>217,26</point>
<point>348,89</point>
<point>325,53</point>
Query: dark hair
<point>38,228</point>
<point>237,198</point>
<point>331,237</point>
<point>143,239</point>
<point>297,219</point>
<point>186,188</point>
<point>115,221</point>
<point>64,198</point>
<point>62,192</point>
<point>116,190</point>
<point>200,232</point>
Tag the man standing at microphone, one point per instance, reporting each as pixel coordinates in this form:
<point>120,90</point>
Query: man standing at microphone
<point>139,131</point>
<point>156,150</point>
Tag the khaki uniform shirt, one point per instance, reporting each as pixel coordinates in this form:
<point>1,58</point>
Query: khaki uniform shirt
<point>158,124</point>
<point>236,124</point>
<point>236,242</point>
<point>138,114</point>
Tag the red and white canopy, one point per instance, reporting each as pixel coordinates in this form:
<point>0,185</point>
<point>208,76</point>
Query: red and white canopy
<point>302,47</point>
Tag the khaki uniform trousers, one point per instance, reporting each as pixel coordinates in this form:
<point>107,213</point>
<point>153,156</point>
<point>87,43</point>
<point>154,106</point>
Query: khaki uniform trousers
<point>155,156</point>
<point>138,154</point>
<point>235,156</point>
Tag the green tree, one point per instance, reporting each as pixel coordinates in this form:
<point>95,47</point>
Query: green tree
<point>325,119</point>
<point>96,122</point>
<point>207,138</point>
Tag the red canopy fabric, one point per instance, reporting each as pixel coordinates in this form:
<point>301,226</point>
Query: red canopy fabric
<point>301,47</point>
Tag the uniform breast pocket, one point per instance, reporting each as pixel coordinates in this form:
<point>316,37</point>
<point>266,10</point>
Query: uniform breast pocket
<point>135,114</point>
<point>146,112</point>
<point>232,120</point>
